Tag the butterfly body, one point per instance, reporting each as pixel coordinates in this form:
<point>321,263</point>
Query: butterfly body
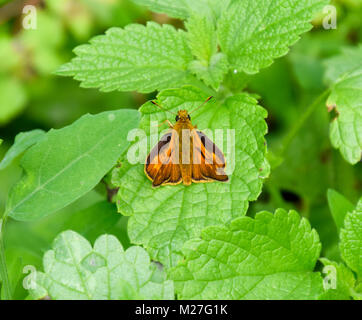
<point>184,155</point>
<point>184,125</point>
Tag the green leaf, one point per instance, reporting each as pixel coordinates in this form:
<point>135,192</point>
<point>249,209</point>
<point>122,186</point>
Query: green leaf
<point>351,239</point>
<point>93,221</point>
<point>185,8</point>
<point>211,66</point>
<point>344,281</point>
<point>253,34</point>
<point>69,162</point>
<point>142,58</point>
<point>348,61</point>
<point>177,9</point>
<point>162,219</point>
<point>23,141</point>
<point>339,206</point>
<point>74,270</point>
<point>29,240</point>
<point>12,99</point>
<point>269,257</point>
<point>346,127</point>
<point>214,73</point>
<point>202,38</point>
<point>9,57</point>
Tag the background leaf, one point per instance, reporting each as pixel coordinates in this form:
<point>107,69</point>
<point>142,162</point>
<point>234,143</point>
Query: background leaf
<point>254,33</point>
<point>185,8</point>
<point>348,61</point>
<point>101,272</point>
<point>351,239</point>
<point>12,99</point>
<point>339,207</point>
<point>345,282</point>
<point>162,219</point>
<point>142,58</point>
<point>346,127</point>
<point>177,9</point>
<point>69,162</point>
<point>92,222</point>
<point>269,257</point>
<point>23,141</point>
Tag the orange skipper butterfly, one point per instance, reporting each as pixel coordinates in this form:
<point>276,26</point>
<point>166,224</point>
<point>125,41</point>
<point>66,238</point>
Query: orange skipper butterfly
<point>184,154</point>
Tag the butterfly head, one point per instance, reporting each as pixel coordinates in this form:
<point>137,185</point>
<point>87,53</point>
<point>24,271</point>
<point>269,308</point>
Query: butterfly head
<point>183,116</point>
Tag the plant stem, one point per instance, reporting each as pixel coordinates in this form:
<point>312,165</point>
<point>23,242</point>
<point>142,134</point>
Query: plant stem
<point>299,124</point>
<point>3,269</point>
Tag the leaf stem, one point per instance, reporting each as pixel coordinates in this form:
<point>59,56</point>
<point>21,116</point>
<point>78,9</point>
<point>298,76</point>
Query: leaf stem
<point>3,269</point>
<point>299,124</point>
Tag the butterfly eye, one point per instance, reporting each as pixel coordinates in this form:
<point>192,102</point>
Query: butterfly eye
<point>177,118</point>
<point>188,116</point>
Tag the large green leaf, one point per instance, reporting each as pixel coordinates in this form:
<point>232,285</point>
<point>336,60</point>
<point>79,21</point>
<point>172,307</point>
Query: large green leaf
<point>254,33</point>
<point>162,219</point>
<point>346,127</point>
<point>76,271</point>
<point>269,257</point>
<point>69,162</point>
<point>142,58</point>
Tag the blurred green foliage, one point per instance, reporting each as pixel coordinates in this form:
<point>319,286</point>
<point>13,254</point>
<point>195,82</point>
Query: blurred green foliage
<point>32,97</point>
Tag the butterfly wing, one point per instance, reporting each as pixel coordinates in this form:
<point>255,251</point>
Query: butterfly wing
<point>161,166</point>
<point>208,160</point>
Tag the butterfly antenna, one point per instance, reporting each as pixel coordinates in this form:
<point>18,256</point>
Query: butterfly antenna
<point>206,101</point>
<point>156,104</point>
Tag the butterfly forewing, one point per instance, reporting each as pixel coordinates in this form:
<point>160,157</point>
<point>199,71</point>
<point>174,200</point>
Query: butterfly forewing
<point>208,160</point>
<point>162,163</point>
